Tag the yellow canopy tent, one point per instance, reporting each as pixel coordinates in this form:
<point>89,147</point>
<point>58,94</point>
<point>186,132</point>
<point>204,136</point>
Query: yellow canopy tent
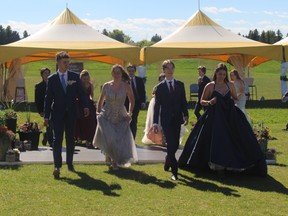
<point>200,37</point>
<point>67,32</point>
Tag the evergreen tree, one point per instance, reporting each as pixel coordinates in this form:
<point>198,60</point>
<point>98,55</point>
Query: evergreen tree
<point>156,38</point>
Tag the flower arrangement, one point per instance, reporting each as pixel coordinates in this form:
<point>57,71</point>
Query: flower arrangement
<point>29,127</point>
<point>3,128</point>
<point>262,132</point>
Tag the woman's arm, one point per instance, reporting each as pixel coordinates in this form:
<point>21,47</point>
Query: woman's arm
<point>130,95</point>
<point>206,95</point>
<point>101,99</point>
<point>233,91</point>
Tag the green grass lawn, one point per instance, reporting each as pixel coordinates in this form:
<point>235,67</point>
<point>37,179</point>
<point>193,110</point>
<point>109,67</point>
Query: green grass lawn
<point>145,189</point>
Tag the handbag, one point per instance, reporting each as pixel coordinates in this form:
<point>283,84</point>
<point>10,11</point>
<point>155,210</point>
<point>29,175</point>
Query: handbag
<point>156,138</point>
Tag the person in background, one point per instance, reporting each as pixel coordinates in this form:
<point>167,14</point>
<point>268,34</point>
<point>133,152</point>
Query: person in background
<point>139,93</point>
<point>150,113</point>
<point>170,97</point>
<point>222,139</point>
<point>203,80</point>
<point>64,87</point>
<point>113,135</point>
<point>86,126</point>
<point>40,93</point>
<point>240,89</point>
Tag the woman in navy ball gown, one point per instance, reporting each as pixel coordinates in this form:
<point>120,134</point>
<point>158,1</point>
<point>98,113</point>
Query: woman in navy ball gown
<point>222,139</point>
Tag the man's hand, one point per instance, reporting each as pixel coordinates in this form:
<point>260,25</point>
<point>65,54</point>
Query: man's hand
<point>86,112</point>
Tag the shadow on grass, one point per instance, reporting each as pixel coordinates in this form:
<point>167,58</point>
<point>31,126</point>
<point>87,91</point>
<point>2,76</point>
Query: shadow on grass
<point>263,184</point>
<point>10,167</point>
<point>88,183</point>
<point>141,177</point>
<point>206,186</point>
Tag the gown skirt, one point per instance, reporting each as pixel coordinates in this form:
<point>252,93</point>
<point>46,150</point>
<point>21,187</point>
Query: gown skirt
<point>113,135</point>
<point>223,139</point>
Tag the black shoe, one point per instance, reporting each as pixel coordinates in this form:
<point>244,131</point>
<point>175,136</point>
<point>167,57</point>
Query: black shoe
<point>44,142</point>
<point>56,173</point>
<point>174,177</point>
<point>71,168</point>
<point>166,167</point>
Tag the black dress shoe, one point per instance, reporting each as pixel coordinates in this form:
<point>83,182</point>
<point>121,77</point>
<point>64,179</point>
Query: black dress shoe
<point>44,142</point>
<point>56,173</point>
<point>174,177</point>
<point>71,168</point>
<point>166,167</point>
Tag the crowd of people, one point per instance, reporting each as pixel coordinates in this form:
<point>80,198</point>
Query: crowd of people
<point>221,140</point>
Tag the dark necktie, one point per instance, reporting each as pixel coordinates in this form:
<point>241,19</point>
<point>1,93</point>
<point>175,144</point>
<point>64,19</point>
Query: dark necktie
<point>134,89</point>
<point>63,82</point>
<point>171,87</point>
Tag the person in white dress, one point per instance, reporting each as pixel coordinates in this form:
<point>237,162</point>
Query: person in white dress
<point>239,85</point>
<point>149,117</point>
<point>113,135</point>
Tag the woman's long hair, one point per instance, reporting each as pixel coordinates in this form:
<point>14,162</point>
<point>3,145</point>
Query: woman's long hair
<point>219,67</point>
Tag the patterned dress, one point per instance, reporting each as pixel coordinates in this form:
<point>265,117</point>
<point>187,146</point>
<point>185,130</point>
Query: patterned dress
<point>113,135</point>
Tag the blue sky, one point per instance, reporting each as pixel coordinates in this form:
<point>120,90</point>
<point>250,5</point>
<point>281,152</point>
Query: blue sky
<point>143,19</point>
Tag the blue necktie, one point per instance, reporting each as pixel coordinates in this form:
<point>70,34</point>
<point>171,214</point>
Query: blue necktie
<point>63,82</point>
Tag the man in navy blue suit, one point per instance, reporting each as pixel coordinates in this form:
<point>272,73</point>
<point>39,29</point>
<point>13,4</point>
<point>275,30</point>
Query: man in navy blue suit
<point>170,97</point>
<point>60,104</point>
<point>203,80</point>
<point>40,93</point>
<point>139,93</point>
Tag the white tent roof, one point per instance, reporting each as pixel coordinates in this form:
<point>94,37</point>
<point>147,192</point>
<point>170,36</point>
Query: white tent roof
<point>284,43</point>
<point>67,32</point>
<point>200,37</point>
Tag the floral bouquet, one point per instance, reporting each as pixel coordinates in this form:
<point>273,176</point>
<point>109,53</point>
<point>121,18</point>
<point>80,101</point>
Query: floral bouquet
<point>262,132</point>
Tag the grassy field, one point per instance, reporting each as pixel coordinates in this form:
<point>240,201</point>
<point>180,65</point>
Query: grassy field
<point>145,189</point>
<point>266,76</point>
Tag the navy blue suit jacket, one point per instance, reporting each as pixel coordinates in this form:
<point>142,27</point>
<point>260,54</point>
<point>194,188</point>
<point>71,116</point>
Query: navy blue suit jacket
<point>40,91</point>
<point>172,106</point>
<point>58,103</point>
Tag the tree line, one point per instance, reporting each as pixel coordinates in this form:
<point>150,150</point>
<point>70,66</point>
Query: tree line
<point>269,36</point>
<point>7,35</point>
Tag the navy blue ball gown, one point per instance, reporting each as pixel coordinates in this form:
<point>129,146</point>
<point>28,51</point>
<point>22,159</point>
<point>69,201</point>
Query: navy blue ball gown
<point>223,139</point>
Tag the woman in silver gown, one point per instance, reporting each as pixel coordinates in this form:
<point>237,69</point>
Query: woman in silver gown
<point>113,135</point>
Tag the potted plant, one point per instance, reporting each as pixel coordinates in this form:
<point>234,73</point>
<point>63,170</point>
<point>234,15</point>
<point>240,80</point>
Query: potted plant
<point>10,156</point>
<point>10,115</point>
<point>6,137</point>
<point>30,130</point>
<point>262,134</point>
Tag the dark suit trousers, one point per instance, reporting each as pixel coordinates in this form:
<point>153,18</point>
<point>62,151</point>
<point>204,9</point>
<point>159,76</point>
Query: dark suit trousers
<point>172,135</point>
<point>133,123</point>
<point>48,135</point>
<point>67,125</point>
